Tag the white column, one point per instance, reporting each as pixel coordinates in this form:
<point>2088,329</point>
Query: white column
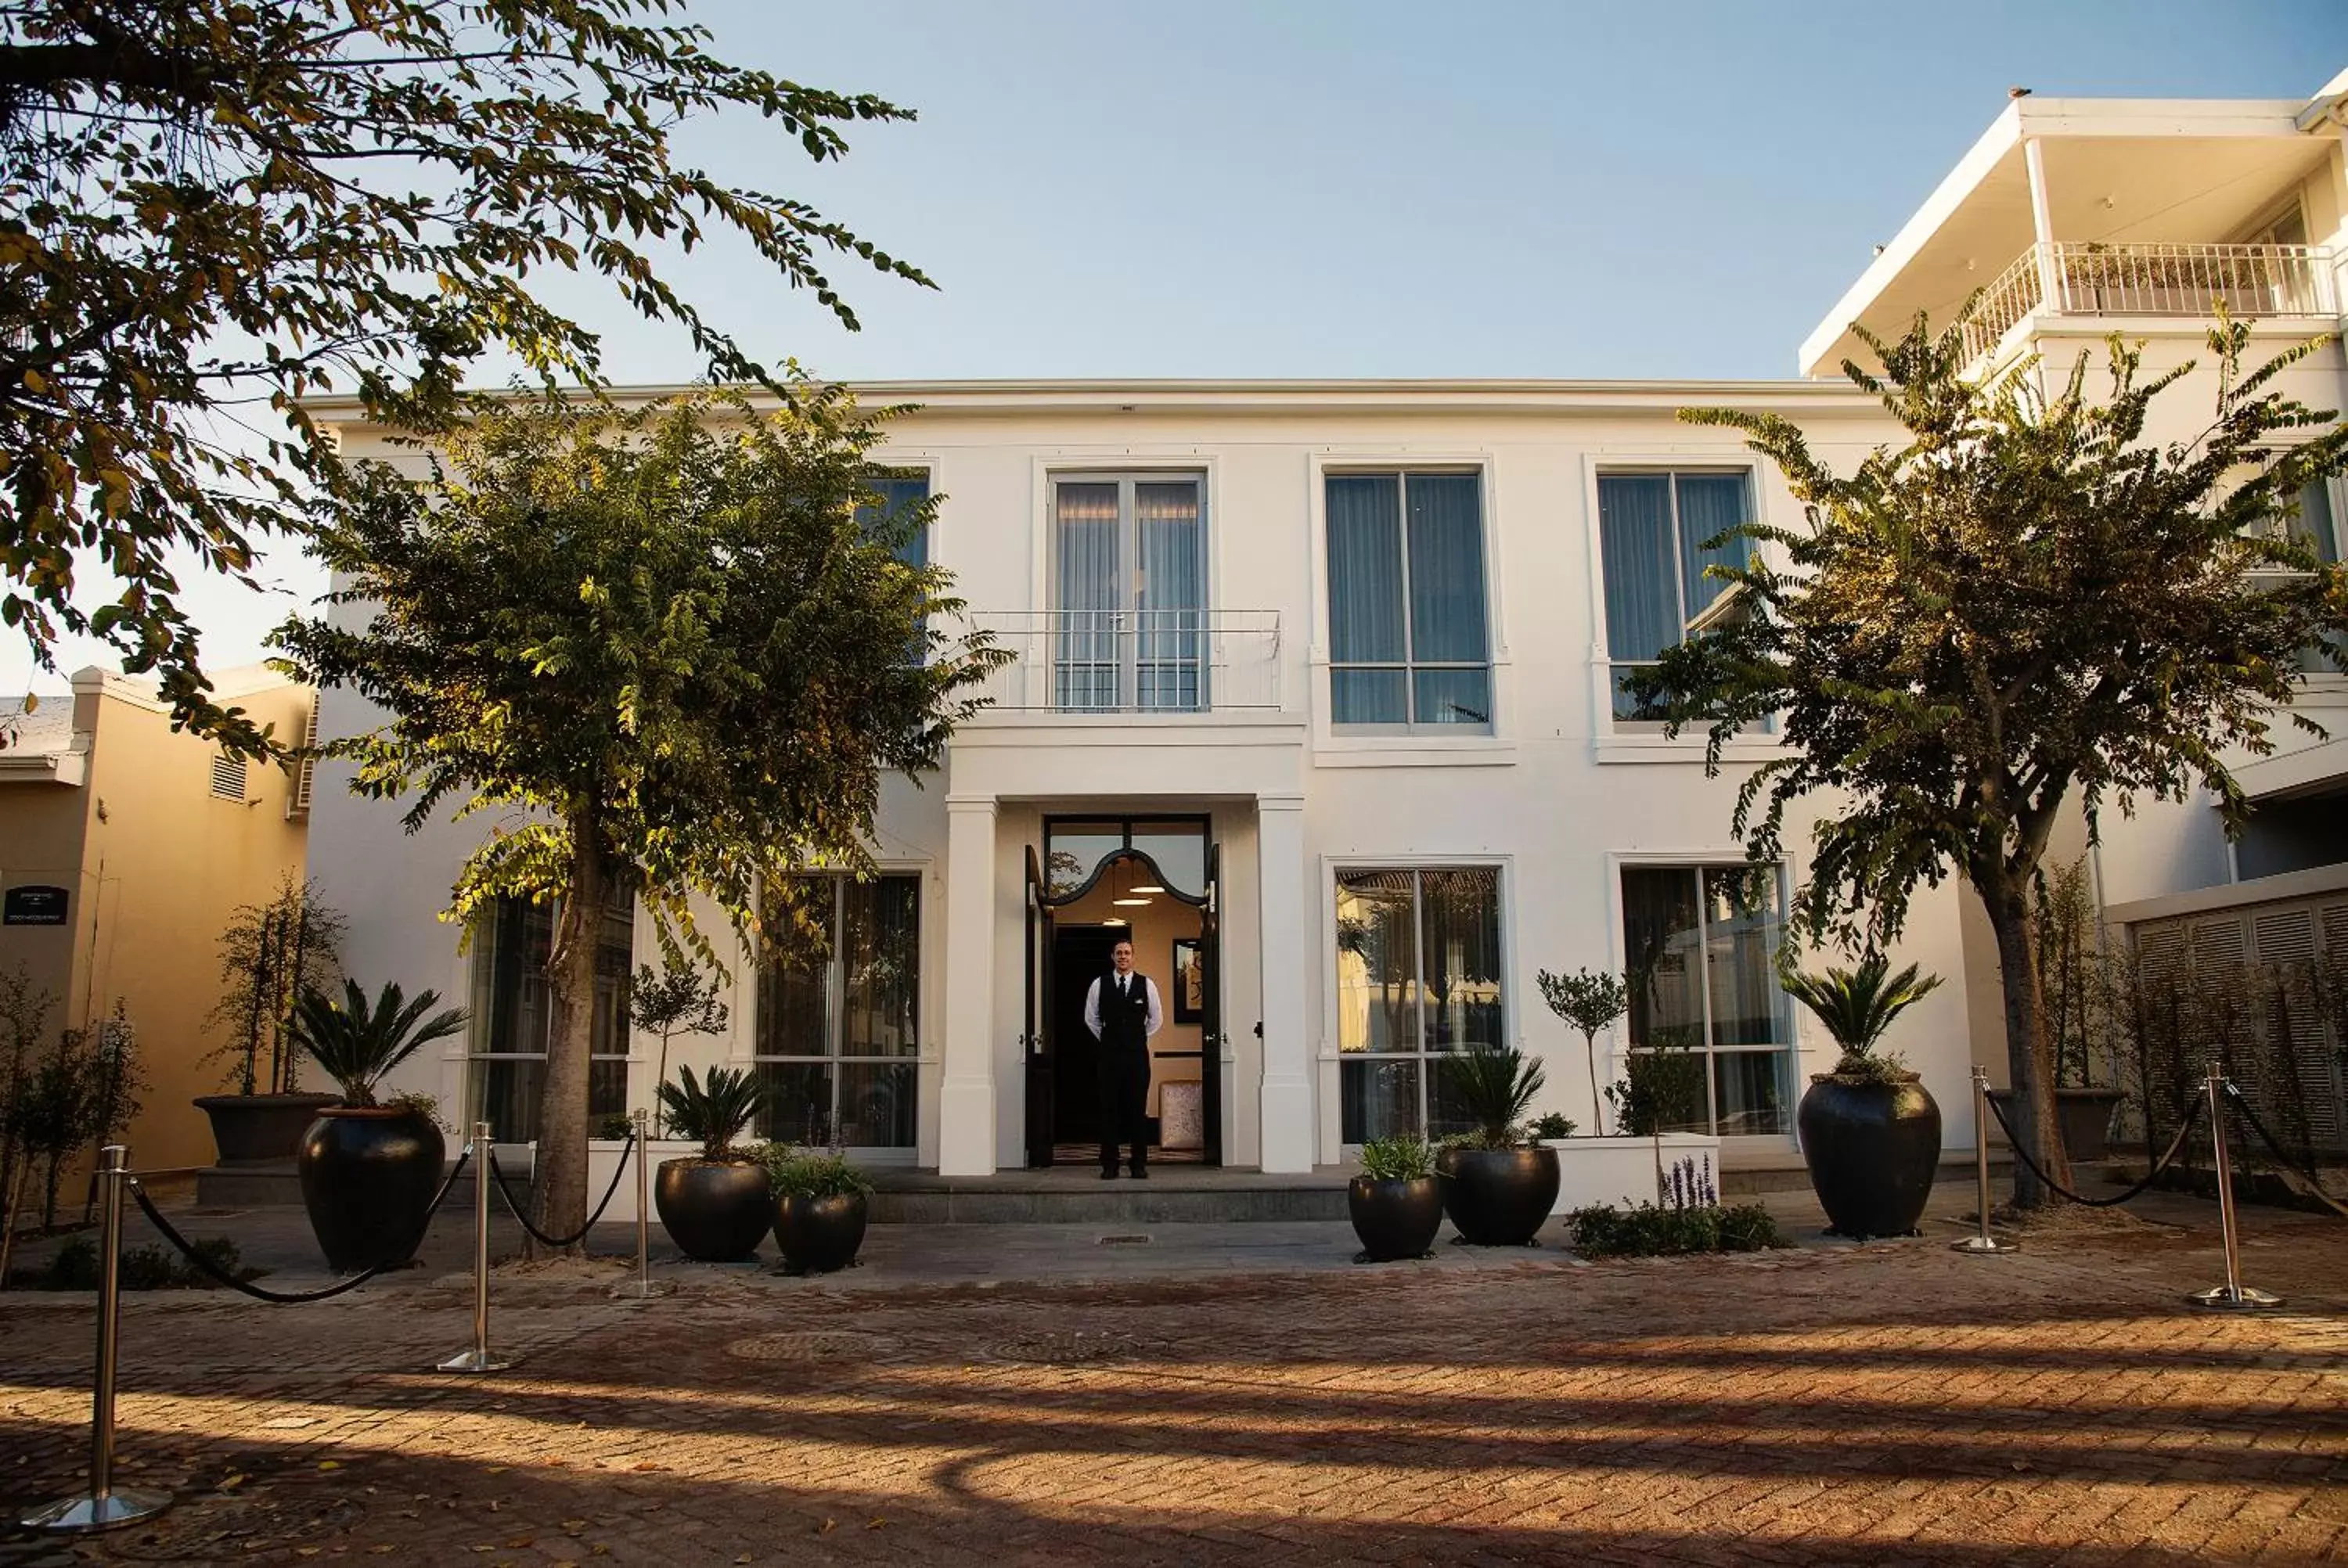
<point>966,1088</point>
<point>1289,943</point>
<point>2041,224</point>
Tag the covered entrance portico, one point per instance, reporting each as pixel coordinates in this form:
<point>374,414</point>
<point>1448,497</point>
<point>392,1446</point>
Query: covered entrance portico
<point>1008,1094</point>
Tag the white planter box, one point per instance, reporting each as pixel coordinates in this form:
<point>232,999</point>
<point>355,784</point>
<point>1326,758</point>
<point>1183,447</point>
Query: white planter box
<point>1621,1170</point>
<point>603,1158</point>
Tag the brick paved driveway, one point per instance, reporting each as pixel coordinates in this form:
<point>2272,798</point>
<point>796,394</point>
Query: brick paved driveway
<point>1889,1403</point>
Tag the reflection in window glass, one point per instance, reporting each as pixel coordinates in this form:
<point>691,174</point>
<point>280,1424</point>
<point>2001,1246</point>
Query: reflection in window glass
<point>1179,848</point>
<point>1701,942</point>
<point>1418,976</point>
<point>849,988</point>
<point>1074,850</point>
<point>512,1013</point>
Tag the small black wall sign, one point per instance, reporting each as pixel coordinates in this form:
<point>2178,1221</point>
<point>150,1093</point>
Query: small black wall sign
<point>33,906</point>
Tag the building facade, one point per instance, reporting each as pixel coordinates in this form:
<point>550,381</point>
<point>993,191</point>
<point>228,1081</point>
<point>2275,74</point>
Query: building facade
<point>2080,219</point>
<point>1316,697</point>
<point>126,846</point>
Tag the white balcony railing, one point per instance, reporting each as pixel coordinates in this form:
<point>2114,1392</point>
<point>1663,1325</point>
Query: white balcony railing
<point>2155,280</point>
<point>1135,662</point>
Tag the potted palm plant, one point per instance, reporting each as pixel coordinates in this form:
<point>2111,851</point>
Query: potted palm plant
<point>718,1204</point>
<point>1870,1131</point>
<point>1497,1187</point>
<point>1396,1202</point>
<point>818,1208</point>
<point>369,1171</point>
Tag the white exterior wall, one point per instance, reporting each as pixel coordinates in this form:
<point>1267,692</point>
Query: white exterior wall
<point>1553,797</point>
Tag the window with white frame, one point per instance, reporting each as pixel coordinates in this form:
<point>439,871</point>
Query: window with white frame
<point>838,1016</point>
<point>1657,532</point>
<point>1409,631</point>
<point>1419,977</point>
<point>1129,594</point>
<point>1698,943</point>
<point>513,1014</point>
<point>2314,523</point>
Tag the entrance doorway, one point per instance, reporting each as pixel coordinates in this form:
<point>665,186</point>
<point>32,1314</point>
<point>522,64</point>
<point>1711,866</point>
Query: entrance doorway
<point>1071,929</point>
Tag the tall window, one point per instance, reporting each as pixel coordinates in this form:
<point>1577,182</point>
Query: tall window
<point>513,1014</point>
<point>900,490</point>
<point>1653,537</point>
<point>1129,573</point>
<point>2316,527</point>
<point>1698,941</point>
<point>1418,977</point>
<point>839,1018</point>
<point>1409,643</point>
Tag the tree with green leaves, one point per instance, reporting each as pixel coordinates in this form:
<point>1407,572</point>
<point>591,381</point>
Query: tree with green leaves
<point>674,646</point>
<point>211,210</point>
<point>1589,999</point>
<point>672,1001</point>
<point>270,953</point>
<point>2024,608</point>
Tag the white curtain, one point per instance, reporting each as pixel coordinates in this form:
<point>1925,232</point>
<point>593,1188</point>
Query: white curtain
<point>1086,567</point>
<point>1366,612</point>
<point>1171,597</point>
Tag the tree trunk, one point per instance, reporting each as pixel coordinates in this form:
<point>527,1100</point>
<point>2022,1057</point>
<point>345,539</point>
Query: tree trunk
<point>2035,1129</point>
<point>559,1203</point>
<point>1597,1106</point>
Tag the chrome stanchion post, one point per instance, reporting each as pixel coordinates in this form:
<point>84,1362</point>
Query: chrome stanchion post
<point>1983,1243</point>
<point>478,1359</point>
<point>104,1507</point>
<point>2234,1293</point>
<point>642,1287</point>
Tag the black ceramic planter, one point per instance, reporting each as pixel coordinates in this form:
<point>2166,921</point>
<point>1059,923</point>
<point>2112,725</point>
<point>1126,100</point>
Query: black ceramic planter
<point>368,1176</point>
<point>2086,1115</point>
<point>716,1212</point>
<point>1498,1197</point>
<point>255,1129</point>
<point>1395,1218</point>
<point>818,1235</point>
<point>1872,1150</point>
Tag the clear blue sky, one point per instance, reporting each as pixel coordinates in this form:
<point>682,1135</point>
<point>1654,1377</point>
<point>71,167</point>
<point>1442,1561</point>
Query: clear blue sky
<point>1365,188</point>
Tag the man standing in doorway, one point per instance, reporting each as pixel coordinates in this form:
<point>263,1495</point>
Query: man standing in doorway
<point>1122,1012</point>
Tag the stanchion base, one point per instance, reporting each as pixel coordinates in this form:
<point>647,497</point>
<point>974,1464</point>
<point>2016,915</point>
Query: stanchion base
<point>88,1515</point>
<point>476,1361</point>
<point>1983,1246</point>
<point>642,1290</point>
<point>2224,1298</point>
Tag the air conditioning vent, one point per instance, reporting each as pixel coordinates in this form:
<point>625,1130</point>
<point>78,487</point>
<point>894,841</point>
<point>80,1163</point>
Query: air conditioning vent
<point>227,778</point>
<point>297,805</point>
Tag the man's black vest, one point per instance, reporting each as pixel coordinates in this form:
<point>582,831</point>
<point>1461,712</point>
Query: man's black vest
<point>1125,1020</point>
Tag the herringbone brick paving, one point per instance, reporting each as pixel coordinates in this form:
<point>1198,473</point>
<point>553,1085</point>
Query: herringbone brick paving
<point>1891,1403</point>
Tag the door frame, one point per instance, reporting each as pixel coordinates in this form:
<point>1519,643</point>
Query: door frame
<point>1040,1054</point>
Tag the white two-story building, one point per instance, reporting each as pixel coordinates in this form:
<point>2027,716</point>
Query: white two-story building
<point>1316,699</point>
<point>2085,218</point>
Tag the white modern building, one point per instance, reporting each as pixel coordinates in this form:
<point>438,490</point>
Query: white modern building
<point>2085,217</point>
<point>1316,698</point>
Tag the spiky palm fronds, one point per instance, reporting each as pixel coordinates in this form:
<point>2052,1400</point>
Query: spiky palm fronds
<point>1858,1006</point>
<point>714,1110</point>
<point>1495,1085</point>
<point>358,1043</point>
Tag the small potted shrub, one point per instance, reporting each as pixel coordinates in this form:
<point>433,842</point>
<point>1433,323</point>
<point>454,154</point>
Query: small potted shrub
<point>1870,1131</point>
<point>1497,1189</point>
<point>1397,1202</point>
<point>820,1210</point>
<point>715,1205</point>
<point>369,1171</point>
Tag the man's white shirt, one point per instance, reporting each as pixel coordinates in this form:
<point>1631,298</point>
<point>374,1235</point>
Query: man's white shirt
<point>1092,1004</point>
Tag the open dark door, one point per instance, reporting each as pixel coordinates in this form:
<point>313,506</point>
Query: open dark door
<point>1211,1012</point>
<point>1035,1044</point>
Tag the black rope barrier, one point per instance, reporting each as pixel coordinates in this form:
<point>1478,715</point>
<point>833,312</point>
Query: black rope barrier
<point>594,1219</point>
<point>2305,1172</point>
<point>280,1298</point>
<point>2176,1144</point>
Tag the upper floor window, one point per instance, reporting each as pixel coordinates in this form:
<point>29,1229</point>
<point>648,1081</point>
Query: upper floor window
<point>1655,534</point>
<point>2316,525</point>
<point>1129,594</point>
<point>1409,639</point>
<point>900,490</point>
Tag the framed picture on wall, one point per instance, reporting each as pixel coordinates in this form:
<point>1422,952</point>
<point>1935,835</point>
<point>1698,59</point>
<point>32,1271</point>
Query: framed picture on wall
<point>1190,982</point>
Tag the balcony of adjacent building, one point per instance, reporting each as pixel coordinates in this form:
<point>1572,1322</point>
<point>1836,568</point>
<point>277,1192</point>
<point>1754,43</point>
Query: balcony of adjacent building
<point>2139,215</point>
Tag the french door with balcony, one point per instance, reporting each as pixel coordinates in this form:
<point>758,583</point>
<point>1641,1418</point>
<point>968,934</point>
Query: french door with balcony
<point>1129,594</point>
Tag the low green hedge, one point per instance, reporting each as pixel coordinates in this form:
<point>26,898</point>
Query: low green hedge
<point>1651,1230</point>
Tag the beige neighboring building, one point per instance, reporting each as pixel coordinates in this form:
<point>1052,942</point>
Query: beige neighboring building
<point>125,847</point>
